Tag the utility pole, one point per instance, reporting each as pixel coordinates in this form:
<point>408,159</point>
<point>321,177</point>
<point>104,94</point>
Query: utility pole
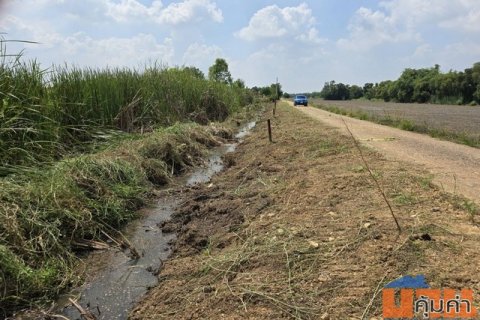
<point>276,84</point>
<point>276,97</point>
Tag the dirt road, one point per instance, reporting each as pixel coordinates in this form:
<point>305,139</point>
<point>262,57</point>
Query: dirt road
<point>456,168</point>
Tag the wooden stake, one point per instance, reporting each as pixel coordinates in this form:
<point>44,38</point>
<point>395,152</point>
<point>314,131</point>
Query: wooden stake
<point>269,131</point>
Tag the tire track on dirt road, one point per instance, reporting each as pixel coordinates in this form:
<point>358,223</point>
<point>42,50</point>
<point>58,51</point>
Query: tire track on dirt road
<point>456,168</point>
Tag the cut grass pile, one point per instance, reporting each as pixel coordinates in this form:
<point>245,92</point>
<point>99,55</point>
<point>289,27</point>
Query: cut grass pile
<point>45,212</point>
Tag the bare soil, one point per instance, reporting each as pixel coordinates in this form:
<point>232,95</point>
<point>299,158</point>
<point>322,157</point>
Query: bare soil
<point>451,118</point>
<point>298,229</point>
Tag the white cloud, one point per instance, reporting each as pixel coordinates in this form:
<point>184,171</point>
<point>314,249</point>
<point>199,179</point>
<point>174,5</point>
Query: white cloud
<point>296,69</point>
<point>124,11</point>
<point>413,12</point>
<point>312,36</point>
<point>468,22</point>
<point>131,9</point>
<point>370,28</point>
<point>443,13</point>
<point>41,33</point>
<point>464,49</point>
<point>403,21</point>
<point>286,41</point>
<point>423,50</point>
<point>190,10</point>
<point>201,55</point>
<point>175,13</point>
<point>275,22</point>
<point>114,51</point>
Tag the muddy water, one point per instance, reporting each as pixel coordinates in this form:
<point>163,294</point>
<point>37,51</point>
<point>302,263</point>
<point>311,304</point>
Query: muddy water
<point>119,281</point>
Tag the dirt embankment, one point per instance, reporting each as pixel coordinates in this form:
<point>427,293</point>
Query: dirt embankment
<point>298,229</point>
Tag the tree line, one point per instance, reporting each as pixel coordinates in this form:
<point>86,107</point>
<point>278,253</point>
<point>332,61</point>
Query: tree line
<point>219,72</point>
<point>426,85</point>
<point>272,92</point>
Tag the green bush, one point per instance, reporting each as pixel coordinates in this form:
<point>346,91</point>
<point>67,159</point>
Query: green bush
<point>407,125</point>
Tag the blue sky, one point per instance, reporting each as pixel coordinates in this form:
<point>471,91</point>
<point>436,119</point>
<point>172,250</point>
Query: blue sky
<point>304,43</point>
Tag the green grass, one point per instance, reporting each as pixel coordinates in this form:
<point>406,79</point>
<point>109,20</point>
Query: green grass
<point>404,198</point>
<point>471,208</point>
<point>426,182</point>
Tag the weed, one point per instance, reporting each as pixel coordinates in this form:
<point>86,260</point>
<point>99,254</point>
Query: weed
<point>407,125</point>
<point>363,116</point>
<point>426,182</point>
<point>377,174</point>
<point>471,208</point>
<point>325,148</point>
<point>404,198</point>
<point>358,169</point>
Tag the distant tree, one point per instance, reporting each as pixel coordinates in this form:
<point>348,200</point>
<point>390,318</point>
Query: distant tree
<point>239,83</point>
<point>335,91</point>
<point>405,85</point>
<point>197,73</point>
<point>476,81</point>
<point>468,85</point>
<point>219,72</point>
<point>266,91</point>
<point>355,92</point>
<point>385,90</point>
<point>315,94</point>
<point>276,91</point>
<point>368,91</point>
<point>270,91</point>
<point>329,91</point>
<point>476,94</point>
<point>286,95</point>
<point>343,92</point>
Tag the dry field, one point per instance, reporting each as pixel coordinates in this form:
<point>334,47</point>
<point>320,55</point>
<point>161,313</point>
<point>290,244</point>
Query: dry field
<point>460,120</point>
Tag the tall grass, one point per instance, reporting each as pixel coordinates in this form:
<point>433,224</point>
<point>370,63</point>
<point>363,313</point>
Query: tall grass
<point>47,113</point>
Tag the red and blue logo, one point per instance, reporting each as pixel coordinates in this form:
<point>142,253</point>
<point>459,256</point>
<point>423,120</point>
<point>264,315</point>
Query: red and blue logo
<point>412,298</point>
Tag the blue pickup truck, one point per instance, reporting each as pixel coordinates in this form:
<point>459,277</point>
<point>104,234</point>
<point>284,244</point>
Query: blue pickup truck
<point>300,100</point>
